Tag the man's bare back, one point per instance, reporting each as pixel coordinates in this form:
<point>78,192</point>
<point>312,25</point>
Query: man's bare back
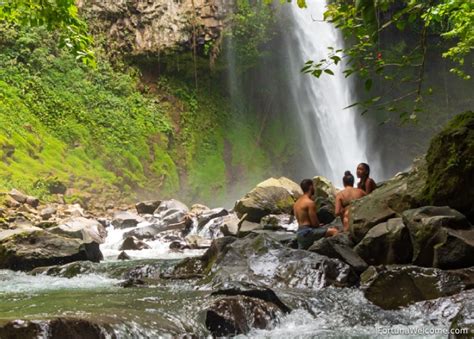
<point>305,212</point>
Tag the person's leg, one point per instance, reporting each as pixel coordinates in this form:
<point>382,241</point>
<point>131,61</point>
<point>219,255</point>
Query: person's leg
<point>331,231</point>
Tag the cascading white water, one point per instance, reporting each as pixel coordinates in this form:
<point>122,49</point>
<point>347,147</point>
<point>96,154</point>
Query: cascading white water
<point>334,144</point>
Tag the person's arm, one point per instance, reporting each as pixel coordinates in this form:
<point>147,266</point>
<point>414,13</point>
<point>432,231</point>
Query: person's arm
<point>369,185</point>
<point>339,209</point>
<point>313,217</point>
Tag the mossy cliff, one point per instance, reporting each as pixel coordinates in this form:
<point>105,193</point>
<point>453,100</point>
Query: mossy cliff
<point>112,132</point>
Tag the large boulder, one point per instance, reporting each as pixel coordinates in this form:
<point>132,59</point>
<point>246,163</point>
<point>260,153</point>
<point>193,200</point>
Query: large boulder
<point>238,314</point>
<point>32,248</point>
<point>396,286</point>
<point>272,196</point>
<point>57,328</point>
<point>132,243</point>
<point>263,261</point>
<point>387,243</point>
<point>450,166</point>
<point>441,237</point>
<point>339,247</point>
<point>388,201</point>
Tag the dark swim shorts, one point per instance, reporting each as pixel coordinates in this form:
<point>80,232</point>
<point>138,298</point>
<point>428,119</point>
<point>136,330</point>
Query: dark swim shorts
<point>306,235</point>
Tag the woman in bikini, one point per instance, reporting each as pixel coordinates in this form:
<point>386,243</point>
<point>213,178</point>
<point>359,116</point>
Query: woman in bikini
<point>345,197</point>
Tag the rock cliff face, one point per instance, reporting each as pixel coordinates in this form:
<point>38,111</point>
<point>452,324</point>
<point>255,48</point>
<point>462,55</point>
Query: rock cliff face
<point>143,27</point>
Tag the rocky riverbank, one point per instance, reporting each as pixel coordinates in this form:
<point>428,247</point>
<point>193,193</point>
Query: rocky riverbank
<point>410,245</point>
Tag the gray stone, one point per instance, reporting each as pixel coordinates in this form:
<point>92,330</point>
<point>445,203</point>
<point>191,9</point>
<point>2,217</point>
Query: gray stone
<point>387,243</point>
<point>147,207</point>
<point>124,219</point>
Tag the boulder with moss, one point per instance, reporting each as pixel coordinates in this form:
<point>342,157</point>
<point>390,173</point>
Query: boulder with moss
<point>272,196</point>
<point>450,164</point>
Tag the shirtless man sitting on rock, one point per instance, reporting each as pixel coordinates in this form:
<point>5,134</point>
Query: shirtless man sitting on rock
<point>345,197</point>
<point>309,229</point>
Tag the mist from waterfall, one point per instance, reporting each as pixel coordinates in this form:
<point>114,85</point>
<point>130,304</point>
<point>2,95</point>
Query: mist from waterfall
<point>333,141</point>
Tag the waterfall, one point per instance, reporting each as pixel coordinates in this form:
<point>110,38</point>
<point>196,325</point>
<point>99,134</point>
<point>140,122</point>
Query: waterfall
<point>333,141</point>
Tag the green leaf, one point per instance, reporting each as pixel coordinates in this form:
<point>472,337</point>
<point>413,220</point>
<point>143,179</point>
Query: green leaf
<point>368,84</point>
<point>328,71</point>
<point>301,3</point>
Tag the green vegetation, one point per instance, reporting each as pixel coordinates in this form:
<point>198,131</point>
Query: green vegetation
<point>56,15</point>
<point>417,32</point>
<point>91,131</point>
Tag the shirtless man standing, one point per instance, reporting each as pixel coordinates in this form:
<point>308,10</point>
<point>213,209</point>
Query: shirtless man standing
<point>345,197</point>
<point>309,229</point>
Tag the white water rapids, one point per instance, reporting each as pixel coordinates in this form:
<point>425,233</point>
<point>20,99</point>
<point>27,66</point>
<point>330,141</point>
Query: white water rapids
<point>334,142</point>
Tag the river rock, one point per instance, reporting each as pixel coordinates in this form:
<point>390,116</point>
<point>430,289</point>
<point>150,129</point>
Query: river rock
<point>30,249</point>
<point>438,231</point>
<point>263,261</point>
<point>132,243</point>
<point>147,207</point>
<point>57,328</point>
<point>199,266</point>
<point>230,225</point>
<point>409,284</point>
<point>279,222</point>
<point>272,196</point>
<point>339,247</point>
<point>388,201</point>
<point>463,322</point>
<point>232,315</point>
<point>246,227</point>
<point>88,230</point>
<point>123,256</point>
<point>125,219</point>
<point>451,169</point>
<point>207,216</point>
<point>324,188</point>
<point>197,242</point>
<point>145,232</point>
<point>387,243</point>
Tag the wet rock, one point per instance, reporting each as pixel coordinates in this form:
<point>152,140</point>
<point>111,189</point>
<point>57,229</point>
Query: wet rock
<point>279,222</point>
<point>449,161</point>
<point>456,251</point>
<point>462,324</point>
<point>67,271</point>
<point>263,261</point>
<point>56,329</point>
<point>145,273</point>
<point>388,201</point>
<point>239,314</point>
<point>207,216</point>
<point>178,245</point>
<point>230,225</point>
<point>123,256</point>
<point>26,250</point>
<point>88,230</point>
<point>387,243</point>
<point>272,196</point>
<point>199,266</point>
<point>198,209</point>
<point>145,232</point>
<point>435,231</point>
<point>198,242</point>
<point>339,247</point>
<point>123,219</point>
<point>246,227</point>
<point>147,207</point>
<point>132,243</point>
<point>409,284</point>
